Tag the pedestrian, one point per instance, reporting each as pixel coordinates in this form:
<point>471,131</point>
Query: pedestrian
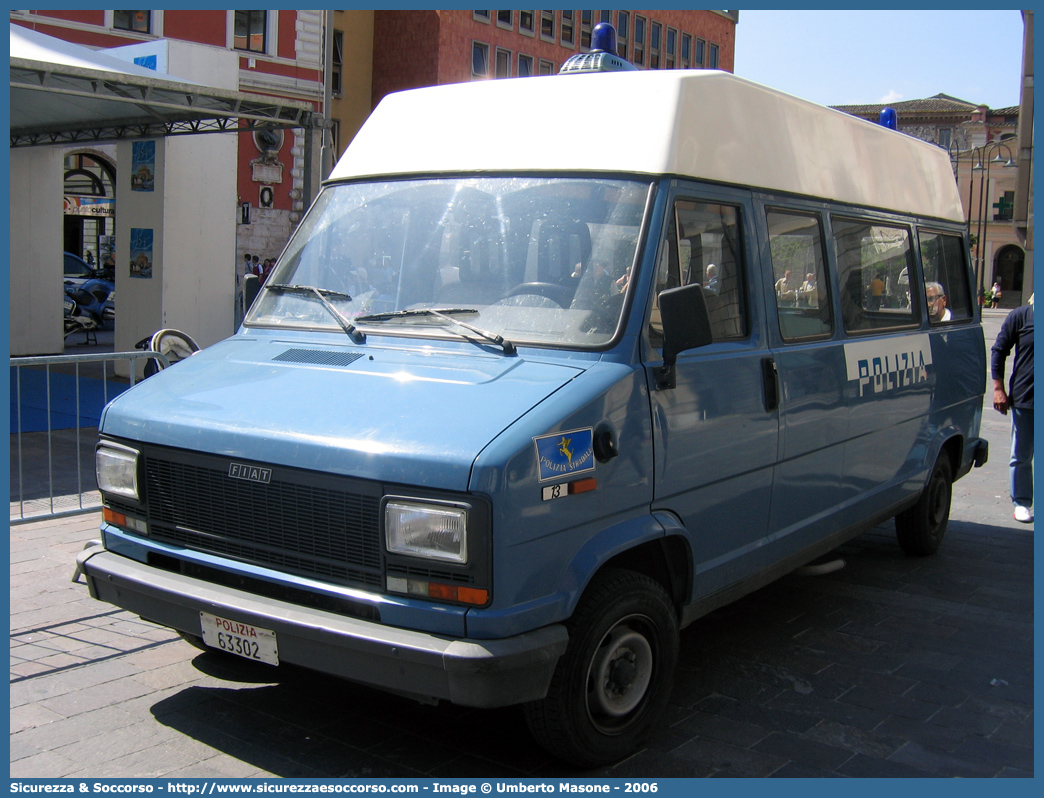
<point>246,266</point>
<point>255,267</point>
<point>996,294</point>
<point>1017,333</point>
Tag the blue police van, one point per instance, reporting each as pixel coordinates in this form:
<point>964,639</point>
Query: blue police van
<point>551,368</point>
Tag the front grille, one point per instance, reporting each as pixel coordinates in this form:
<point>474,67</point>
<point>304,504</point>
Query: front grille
<point>302,523</point>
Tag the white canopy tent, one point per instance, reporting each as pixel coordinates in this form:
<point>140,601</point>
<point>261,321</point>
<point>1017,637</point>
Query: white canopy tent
<point>66,95</point>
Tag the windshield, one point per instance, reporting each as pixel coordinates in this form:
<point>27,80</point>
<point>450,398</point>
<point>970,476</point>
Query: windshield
<point>534,260</point>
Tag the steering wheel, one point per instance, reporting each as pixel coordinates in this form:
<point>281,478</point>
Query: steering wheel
<point>559,294</point>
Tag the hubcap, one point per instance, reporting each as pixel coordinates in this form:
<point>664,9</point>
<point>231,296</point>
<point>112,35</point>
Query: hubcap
<point>620,673</point>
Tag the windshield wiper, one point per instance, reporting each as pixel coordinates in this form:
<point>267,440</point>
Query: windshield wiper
<point>322,294</point>
<point>444,313</point>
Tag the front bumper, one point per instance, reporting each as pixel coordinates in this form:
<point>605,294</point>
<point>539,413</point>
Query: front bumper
<point>476,673</point>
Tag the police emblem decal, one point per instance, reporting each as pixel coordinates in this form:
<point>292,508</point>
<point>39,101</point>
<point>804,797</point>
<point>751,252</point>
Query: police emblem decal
<point>562,454</point>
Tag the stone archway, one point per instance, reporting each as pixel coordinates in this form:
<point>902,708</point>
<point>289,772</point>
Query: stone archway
<point>1008,267</point>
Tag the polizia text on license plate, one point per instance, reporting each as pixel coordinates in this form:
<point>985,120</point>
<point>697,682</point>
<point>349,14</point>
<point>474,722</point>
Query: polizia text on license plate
<point>242,639</point>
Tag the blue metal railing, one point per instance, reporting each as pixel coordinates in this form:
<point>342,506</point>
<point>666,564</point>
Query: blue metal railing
<point>53,405</point>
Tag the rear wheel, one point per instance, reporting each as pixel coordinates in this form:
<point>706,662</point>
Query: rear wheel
<point>920,529</point>
<point>613,682</point>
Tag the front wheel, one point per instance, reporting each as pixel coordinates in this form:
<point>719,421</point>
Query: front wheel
<point>920,529</point>
<point>613,682</point>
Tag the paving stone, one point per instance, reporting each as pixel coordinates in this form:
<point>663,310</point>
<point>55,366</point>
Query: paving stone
<point>865,767</point>
<point>726,730</point>
<point>942,764</point>
<point>978,749</point>
<point>903,706</point>
<point>730,760</point>
<point>804,751</point>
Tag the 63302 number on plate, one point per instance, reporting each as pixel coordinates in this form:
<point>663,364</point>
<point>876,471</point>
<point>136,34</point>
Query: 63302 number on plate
<point>242,639</point>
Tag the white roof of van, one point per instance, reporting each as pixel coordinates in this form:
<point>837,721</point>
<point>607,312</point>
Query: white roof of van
<point>703,124</point>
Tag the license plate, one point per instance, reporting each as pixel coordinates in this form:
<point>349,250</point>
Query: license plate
<point>242,639</point>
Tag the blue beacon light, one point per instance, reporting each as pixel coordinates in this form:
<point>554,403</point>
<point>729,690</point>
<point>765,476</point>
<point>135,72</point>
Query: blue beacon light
<point>602,58</point>
<point>888,118</point>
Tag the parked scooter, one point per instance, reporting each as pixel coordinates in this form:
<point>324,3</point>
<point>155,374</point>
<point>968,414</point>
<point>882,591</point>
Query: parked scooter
<point>93,300</point>
<point>76,320</point>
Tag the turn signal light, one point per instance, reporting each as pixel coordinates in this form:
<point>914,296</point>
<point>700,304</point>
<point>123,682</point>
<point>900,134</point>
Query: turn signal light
<point>437,590</point>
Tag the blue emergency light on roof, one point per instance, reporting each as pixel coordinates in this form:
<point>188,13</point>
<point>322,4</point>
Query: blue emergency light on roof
<point>602,58</point>
<point>888,118</point>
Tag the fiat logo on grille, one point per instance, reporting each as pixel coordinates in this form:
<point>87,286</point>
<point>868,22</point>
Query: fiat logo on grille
<point>250,473</point>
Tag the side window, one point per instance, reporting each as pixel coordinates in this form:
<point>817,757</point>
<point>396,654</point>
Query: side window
<point>873,264</point>
<point>946,289</point>
<point>799,275</point>
<point>703,246</point>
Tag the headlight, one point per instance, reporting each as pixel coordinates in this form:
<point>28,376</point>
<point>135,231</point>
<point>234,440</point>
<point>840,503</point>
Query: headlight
<point>117,468</point>
<point>438,531</point>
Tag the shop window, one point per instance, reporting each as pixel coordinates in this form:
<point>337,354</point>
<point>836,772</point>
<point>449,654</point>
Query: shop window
<point>250,31</point>
<point>137,21</point>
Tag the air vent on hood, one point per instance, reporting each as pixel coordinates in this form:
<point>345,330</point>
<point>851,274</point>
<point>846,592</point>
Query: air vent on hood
<point>321,357</point>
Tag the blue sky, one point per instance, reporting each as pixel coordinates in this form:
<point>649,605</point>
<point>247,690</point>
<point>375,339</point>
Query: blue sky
<point>853,57</point>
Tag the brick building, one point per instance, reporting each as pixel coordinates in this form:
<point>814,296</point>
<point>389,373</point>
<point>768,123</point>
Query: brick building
<point>424,48</point>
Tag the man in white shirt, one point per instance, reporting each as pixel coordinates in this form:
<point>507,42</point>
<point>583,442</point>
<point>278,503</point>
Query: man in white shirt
<point>935,295</point>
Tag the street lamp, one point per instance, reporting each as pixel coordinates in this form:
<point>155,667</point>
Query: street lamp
<point>982,155</point>
<point>982,230</point>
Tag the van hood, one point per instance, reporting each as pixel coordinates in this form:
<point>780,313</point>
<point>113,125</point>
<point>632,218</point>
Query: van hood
<point>409,416</point>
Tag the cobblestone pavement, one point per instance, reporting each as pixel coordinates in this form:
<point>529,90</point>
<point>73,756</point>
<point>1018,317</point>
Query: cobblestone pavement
<point>892,666</point>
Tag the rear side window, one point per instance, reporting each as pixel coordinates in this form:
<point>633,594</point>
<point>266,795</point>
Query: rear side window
<point>946,289</point>
<point>799,275</point>
<point>874,264</point>
<point>703,246</point>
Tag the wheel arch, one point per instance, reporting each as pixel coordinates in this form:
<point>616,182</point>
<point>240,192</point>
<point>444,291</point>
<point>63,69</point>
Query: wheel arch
<point>667,560</point>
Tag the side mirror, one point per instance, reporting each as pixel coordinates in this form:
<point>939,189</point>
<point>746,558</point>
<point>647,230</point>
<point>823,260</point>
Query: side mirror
<point>686,325</point>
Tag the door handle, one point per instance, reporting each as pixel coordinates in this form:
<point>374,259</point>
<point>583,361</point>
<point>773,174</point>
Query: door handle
<point>770,378</point>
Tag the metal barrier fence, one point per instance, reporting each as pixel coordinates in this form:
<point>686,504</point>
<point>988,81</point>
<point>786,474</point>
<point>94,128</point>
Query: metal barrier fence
<point>52,461</point>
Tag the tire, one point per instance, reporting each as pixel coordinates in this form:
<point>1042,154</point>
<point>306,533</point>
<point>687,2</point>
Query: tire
<point>921,529</point>
<point>624,631</point>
